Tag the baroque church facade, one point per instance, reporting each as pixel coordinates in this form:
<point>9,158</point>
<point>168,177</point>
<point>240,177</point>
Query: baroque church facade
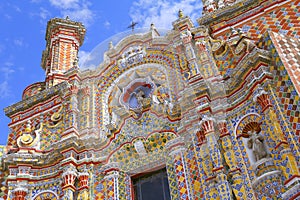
<point>207,111</point>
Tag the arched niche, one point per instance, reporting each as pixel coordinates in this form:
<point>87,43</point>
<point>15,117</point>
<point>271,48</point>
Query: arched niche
<point>248,125</point>
<point>121,96</point>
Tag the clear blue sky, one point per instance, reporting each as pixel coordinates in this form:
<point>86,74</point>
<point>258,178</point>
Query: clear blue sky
<point>22,34</point>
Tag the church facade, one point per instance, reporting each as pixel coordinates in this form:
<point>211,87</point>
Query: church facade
<point>207,111</point>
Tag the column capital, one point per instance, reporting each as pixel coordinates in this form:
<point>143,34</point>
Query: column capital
<point>200,137</point>
<point>20,193</point>
<point>262,97</point>
<point>73,89</point>
<point>83,180</point>
<point>69,176</point>
<point>207,125</point>
<point>222,125</point>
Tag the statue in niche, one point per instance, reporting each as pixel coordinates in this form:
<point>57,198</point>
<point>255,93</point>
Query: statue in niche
<point>256,143</point>
<point>140,96</point>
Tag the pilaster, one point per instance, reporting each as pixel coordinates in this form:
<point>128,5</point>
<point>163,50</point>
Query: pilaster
<point>234,172</point>
<point>115,183</point>
<point>215,170</point>
<point>184,25</point>
<point>71,119</point>
<point>175,149</point>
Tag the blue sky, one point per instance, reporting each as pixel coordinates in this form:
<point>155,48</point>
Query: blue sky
<point>23,25</point>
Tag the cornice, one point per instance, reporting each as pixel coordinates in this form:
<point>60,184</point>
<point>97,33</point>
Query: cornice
<point>33,100</point>
<point>227,12</point>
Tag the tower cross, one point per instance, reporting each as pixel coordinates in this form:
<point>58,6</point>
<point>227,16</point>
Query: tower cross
<point>132,25</point>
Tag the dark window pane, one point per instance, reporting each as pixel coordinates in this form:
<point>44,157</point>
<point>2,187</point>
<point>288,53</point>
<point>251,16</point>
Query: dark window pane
<point>152,190</point>
<point>166,188</point>
<point>152,186</point>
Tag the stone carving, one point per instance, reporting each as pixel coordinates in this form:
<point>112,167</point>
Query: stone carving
<point>155,99</point>
<point>140,96</point>
<point>31,136</point>
<point>221,4</point>
<point>132,55</point>
<point>209,6</point>
<point>140,148</point>
<point>256,143</point>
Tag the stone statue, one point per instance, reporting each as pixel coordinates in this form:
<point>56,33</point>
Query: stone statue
<point>140,95</point>
<point>256,143</point>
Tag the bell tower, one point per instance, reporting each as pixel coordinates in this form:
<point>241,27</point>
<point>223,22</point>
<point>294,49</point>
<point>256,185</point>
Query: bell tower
<point>63,39</point>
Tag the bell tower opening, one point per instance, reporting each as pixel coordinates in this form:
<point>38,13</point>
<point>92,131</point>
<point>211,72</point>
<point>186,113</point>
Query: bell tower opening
<point>153,185</point>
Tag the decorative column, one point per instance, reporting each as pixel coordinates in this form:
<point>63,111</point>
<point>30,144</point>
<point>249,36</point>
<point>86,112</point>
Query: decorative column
<point>83,178</point>
<point>217,177</point>
<point>116,184</point>
<point>20,193</point>
<point>86,106</point>
<point>183,24</point>
<point>204,54</point>
<point>207,166</point>
<point>234,171</point>
<point>288,162</point>
<point>72,112</point>
<point>175,149</point>
<point>68,187</point>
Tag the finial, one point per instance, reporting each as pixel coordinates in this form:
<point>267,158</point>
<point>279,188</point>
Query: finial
<point>110,45</point>
<point>180,14</point>
<point>152,27</point>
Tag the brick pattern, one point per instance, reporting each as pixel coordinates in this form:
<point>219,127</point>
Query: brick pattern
<point>288,49</point>
<point>287,100</point>
<point>284,20</point>
<point>226,62</point>
<point>99,187</point>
